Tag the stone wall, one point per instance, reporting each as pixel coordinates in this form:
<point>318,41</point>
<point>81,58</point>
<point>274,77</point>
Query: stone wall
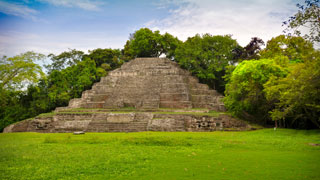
<point>127,122</point>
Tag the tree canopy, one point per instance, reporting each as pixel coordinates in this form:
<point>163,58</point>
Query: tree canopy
<point>207,57</point>
<point>20,69</point>
<point>245,95</point>
<point>297,96</point>
<point>147,43</point>
<point>64,59</point>
<point>296,49</point>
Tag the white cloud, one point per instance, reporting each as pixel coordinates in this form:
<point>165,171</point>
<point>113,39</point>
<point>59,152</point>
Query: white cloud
<point>242,18</point>
<point>16,9</point>
<point>83,4</point>
<point>14,42</point>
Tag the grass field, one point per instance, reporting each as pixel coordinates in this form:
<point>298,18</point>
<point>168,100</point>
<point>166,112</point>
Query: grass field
<point>262,154</point>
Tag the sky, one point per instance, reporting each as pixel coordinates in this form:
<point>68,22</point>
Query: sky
<point>54,26</point>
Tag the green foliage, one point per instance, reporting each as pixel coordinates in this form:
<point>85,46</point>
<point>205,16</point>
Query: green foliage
<point>207,57</point>
<point>245,95</point>
<point>20,69</point>
<point>296,49</point>
<point>70,82</point>
<point>11,109</point>
<point>307,17</point>
<point>283,87</point>
<point>297,96</point>
<point>15,72</point>
<point>147,43</point>
<point>108,59</point>
<point>55,90</point>
<point>252,50</point>
<point>269,154</point>
<point>64,59</point>
<point>169,45</point>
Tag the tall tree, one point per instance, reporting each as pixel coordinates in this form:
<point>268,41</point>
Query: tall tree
<point>20,69</point>
<point>147,43</point>
<point>107,58</point>
<point>297,96</point>
<point>70,82</point>
<point>296,49</point>
<point>207,57</point>
<point>64,59</point>
<point>15,72</point>
<point>251,51</point>
<point>245,95</point>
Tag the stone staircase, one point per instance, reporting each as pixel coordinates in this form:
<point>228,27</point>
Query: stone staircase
<point>149,83</point>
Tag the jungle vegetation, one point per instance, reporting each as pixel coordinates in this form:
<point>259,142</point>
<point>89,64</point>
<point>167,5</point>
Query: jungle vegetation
<point>278,84</point>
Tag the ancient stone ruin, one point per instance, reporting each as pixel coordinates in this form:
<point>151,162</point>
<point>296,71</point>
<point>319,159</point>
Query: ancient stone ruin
<point>145,94</point>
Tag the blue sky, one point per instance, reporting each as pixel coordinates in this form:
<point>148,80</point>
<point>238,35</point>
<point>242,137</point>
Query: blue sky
<point>53,26</point>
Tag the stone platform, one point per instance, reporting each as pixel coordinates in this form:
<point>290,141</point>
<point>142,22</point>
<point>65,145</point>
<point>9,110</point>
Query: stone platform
<point>102,120</point>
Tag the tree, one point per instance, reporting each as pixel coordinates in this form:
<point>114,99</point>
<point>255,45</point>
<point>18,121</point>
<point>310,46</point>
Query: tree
<point>64,59</point>
<point>11,109</point>
<point>169,44</point>
<point>148,43</point>
<point>296,49</point>
<point>15,71</point>
<point>108,58</point>
<point>251,51</point>
<point>307,17</point>
<point>207,57</point>
<point>72,81</point>
<point>245,95</point>
<point>297,96</point>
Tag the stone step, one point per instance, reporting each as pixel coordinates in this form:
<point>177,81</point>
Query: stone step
<point>166,124</point>
<point>201,98</point>
<point>174,97</point>
<point>174,79</point>
<point>118,127</point>
<point>198,86</point>
<point>175,104</point>
<point>87,93</point>
<point>200,105</point>
<point>170,87</point>
<point>150,105</point>
<point>93,104</point>
<point>99,97</point>
<point>174,84</point>
<point>203,92</point>
<point>217,107</point>
<point>192,79</point>
<point>103,90</point>
<point>75,103</point>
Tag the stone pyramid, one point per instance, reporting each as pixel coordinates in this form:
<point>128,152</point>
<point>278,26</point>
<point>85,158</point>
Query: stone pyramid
<point>149,83</point>
<point>145,94</point>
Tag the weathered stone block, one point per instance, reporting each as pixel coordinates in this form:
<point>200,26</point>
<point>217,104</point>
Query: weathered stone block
<point>120,118</point>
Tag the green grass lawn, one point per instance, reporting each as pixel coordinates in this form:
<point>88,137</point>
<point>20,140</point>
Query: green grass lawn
<point>262,154</point>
